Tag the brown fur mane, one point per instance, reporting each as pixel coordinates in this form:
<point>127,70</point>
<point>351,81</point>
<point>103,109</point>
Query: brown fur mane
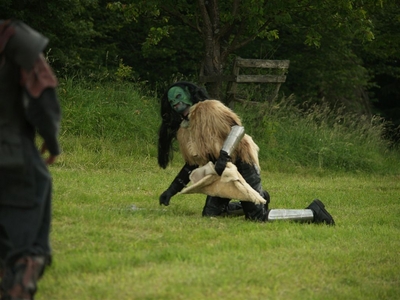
<point>210,122</point>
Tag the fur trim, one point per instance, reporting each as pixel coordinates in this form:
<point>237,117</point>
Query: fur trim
<point>210,122</point>
<point>229,185</point>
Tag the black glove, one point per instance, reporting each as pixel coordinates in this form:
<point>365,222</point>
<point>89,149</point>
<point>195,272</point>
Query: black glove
<point>177,185</point>
<point>168,194</point>
<point>221,162</point>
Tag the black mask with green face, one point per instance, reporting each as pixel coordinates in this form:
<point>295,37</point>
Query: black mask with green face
<point>179,99</point>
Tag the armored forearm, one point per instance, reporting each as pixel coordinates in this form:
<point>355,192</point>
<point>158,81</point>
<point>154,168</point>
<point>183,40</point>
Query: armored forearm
<point>233,139</point>
<point>230,144</point>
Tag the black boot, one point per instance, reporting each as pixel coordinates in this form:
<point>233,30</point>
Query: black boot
<point>235,209</point>
<point>215,207</point>
<point>20,280</point>
<point>321,215</point>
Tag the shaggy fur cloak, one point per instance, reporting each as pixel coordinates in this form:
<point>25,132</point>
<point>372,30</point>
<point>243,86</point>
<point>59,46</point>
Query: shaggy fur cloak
<point>201,138</point>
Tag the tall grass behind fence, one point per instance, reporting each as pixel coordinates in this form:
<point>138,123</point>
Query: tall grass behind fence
<point>319,137</point>
<point>119,122</point>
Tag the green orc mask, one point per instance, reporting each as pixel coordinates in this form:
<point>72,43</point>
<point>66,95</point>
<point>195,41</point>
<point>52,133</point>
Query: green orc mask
<point>179,99</point>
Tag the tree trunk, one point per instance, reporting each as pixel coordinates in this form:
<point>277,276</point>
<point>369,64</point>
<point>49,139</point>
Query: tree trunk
<point>213,67</point>
<point>212,63</point>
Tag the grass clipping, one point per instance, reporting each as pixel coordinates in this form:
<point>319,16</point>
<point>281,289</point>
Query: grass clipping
<point>230,184</point>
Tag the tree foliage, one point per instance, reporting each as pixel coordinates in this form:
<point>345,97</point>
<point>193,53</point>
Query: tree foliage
<point>341,51</point>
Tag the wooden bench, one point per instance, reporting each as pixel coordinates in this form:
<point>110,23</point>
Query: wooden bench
<point>280,68</point>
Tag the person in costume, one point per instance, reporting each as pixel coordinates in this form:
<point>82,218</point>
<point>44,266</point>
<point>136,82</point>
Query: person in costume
<point>207,130</point>
<point>28,105</point>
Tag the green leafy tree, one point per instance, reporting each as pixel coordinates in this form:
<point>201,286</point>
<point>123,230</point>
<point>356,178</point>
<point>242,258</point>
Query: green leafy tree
<point>65,23</point>
<point>225,27</point>
<point>320,42</point>
<point>338,48</point>
<point>72,27</point>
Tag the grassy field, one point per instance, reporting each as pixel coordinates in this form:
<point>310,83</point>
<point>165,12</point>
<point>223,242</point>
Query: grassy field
<point>112,240</point>
<point>105,249</point>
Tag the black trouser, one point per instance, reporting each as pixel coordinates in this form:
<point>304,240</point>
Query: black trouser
<point>25,227</point>
<point>216,206</point>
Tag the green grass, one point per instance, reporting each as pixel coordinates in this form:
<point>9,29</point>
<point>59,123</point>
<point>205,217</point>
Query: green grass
<point>104,249</point>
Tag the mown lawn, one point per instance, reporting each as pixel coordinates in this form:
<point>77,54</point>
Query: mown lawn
<point>104,249</point>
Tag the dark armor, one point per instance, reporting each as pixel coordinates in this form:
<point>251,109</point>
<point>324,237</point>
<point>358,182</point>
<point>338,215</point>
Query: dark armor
<point>20,48</point>
<point>28,104</point>
<point>11,114</point>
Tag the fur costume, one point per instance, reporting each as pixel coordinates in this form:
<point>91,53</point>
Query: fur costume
<point>203,127</point>
<point>201,131</point>
<point>201,138</point>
